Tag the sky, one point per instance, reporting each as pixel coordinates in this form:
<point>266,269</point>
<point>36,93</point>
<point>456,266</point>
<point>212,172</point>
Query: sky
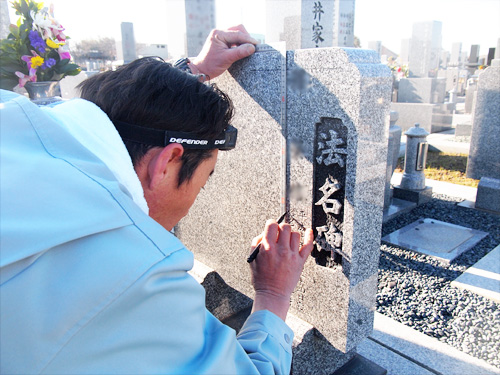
<point>390,21</point>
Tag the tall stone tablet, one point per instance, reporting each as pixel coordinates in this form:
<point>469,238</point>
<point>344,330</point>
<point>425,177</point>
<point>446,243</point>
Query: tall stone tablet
<point>484,153</point>
<point>312,139</point>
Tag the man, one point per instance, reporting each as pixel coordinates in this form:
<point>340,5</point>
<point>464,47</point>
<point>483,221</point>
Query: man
<point>92,281</point>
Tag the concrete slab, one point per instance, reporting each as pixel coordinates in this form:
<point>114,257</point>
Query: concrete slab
<point>417,352</point>
<point>440,187</point>
<point>385,357</point>
<point>397,207</point>
<point>443,141</point>
<point>436,238</point>
<point>483,278</point>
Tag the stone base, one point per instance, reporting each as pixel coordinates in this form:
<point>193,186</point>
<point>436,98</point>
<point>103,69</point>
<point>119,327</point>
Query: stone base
<point>463,130</point>
<point>312,353</point>
<point>488,194</point>
<point>359,365</point>
<point>396,208</point>
<point>417,196</point>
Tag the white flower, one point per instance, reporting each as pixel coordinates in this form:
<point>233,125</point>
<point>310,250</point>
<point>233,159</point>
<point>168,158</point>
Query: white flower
<point>43,23</point>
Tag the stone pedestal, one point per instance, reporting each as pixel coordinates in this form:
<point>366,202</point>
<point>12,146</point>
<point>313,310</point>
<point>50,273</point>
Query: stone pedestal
<point>488,194</point>
<point>312,139</point>
<point>419,197</point>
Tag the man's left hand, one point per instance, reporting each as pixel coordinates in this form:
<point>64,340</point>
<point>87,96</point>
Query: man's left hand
<point>221,49</point>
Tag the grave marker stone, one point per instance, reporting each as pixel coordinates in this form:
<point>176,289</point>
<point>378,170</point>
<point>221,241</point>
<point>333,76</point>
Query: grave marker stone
<point>200,20</point>
<point>310,23</point>
<point>326,164</point>
<point>456,50</point>
<point>4,19</point>
<point>484,153</point>
<point>128,42</point>
<point>425,49</point>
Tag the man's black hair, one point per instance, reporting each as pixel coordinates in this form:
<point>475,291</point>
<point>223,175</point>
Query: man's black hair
<point>152,93</point>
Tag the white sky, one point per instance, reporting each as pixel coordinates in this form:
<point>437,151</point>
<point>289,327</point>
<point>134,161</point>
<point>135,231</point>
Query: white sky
<point>159,21</point>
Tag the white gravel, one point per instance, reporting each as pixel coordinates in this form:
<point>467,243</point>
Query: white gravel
<point>416,290</point>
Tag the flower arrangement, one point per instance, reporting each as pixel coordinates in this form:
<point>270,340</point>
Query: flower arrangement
<point>36,48</point>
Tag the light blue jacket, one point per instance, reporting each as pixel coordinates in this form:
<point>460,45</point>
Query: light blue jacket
<point>92,285</point>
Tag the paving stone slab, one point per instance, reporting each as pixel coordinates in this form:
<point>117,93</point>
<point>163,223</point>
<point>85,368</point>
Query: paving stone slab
<point>483,277</point>
<point>436,238</point>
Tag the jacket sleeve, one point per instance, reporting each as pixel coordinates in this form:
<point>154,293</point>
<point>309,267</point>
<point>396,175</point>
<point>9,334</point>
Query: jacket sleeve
<point>160,325</point>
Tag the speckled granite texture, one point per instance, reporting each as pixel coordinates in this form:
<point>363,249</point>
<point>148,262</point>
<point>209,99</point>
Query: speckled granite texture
<point>349,90</point>
<point>484,153</point>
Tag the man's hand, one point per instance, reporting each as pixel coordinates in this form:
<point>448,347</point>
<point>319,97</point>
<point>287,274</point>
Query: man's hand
<point>221,49</point>
<point>276,271</point>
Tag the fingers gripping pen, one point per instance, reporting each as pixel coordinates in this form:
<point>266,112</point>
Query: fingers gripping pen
<point>252,256</point>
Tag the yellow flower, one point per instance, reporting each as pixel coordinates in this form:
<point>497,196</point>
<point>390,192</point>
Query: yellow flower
<point>53,44</point>
<point>36,62</point>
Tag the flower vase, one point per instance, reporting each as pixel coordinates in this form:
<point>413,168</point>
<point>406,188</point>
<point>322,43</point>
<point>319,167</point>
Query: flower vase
<point>43,93</point>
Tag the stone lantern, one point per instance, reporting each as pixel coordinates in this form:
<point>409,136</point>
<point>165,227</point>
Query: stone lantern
<point>412,187</point>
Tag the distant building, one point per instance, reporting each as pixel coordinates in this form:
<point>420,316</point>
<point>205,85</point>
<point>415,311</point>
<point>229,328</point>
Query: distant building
<point>425,49</point>
<point>4,19</point>
<point>160,50</point>
<point>128,43</point>
<point>310,23</point>
<point>200,20</point>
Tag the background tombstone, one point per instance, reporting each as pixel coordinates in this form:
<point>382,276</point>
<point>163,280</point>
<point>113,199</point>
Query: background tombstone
<point>393,147</point>
<point>4,19</point>
<point>484,153</point>
<point>425,49</point>
<point>200,20</point>
<point>310,23</point>
<point>327,164</point>
<point>128,42</point>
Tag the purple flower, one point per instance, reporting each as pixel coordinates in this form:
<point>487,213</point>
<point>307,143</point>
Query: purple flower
<point>37,41</point>
<point>49,63</point>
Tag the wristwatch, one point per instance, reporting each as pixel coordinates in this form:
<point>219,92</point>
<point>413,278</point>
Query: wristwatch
<point>183,64</point>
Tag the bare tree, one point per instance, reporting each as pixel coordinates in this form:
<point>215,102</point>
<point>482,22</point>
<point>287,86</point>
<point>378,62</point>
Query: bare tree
<point>94,49</point>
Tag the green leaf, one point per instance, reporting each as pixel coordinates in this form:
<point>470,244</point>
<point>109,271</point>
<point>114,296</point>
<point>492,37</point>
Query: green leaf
<point>62,63</point>
<point>14,30</point>
<point>67,68</point>
<point>73,73</point>
<point>8,83</point>
<point>10,68</point>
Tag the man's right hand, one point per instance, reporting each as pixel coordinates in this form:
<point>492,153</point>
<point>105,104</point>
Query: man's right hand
<point>276,270</point>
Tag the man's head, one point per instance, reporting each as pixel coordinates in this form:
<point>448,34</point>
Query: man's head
<point>152,94</point>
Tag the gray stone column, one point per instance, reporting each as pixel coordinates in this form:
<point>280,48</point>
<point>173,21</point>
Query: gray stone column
<point>484,153</point>
<point>392,156</point>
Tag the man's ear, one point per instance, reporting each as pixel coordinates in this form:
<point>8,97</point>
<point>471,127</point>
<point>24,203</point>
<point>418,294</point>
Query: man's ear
<point>165,164</point>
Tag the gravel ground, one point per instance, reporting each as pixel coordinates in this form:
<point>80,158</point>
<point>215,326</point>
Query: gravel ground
<point>416,290</point>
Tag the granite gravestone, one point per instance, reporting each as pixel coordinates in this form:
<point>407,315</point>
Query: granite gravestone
<point>484,153</point>
<point>200,20</point>
<point>310,23</point>
<point>4,19</point>
<point>128,42</point>
<point>422,90</point>
<point>425,49</point>
<point>313,140</point>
